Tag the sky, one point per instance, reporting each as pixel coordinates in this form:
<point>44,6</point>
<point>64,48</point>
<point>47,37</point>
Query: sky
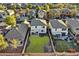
<point>39,1</point>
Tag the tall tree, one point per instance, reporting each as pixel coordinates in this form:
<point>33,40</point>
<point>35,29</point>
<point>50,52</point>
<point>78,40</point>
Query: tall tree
<point>46,7</point>
<point>3,43</point>
<point>50,5</point>
<point>13,7</point>
<point>60,5</point>
<point>15,43</point>
<point>29,5</point>
<point>73,10</point>
<point>10,20</point>
<point>2,7</point>
<point>38,8</point>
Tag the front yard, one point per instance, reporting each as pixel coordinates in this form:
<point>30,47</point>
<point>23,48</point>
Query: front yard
<point>37,44</point>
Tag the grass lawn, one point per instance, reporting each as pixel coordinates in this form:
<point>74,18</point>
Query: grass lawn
<point>62,45</point>
<point>37,44</point>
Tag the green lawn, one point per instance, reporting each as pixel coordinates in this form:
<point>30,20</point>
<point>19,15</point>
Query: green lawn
<point>62,45</point>
<point>37,44</point>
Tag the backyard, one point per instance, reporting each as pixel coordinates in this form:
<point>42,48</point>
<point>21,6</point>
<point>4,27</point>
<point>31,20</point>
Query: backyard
<point>37,44</point>
<point>64,46</point>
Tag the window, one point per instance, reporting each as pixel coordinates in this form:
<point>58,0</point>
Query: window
<point>63,34</point>
<point>77,28</point>
<point>57,35</point>
<point>21,42</point>
<point>43,27</point>
<point>32,33</point>
<point>3,14</point>
<point>0,16</point>
<point>42,30</point>
<point>56,29</point>
<point>35,26</point>
<point>32,30</point>
<point>63,29</point>
<point>36,32</point>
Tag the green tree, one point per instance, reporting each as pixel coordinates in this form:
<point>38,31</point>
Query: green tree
<point>10,20</point>
<point>15,43</point>
<point>38,8</point>
<point>13,6</point>
<point>3,43</point>
<point>73,10</point>
<point>46,7</point>
<point>29,6</point>
<point>2,7</point>
<point>27,10</point>
<point>50,5</point>
<point>41,7</point>
<point>60,5</point>
<point>18,6</point>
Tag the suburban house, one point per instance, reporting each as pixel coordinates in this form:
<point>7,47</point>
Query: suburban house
<point>55,13</point>
<point>23,5</point>
<point>3,14</point>
<point>2,27</point>
<point>77,14</point>
<point>20,19</point>
<point>74,26</point>
<point>38,26</point>
<point>8,5</point>
<point>10,12</point>
<point>58,29</point>
<point>41,13</point>
<point>65,12</point>
<point>22,13</point>
<point>18,32</point>
<point>32,13</point>
<point>21,16</point>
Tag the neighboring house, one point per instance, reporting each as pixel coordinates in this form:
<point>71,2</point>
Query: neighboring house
<point>23,13</point>
<point>20,19</point>
<point>17,33</point>
<point>32,13</point>
<point>77,14</point>
<point>3,14</point>
<point>2,27</point>
<point>41,13</point>
<point>23,5</point>
<point>58,29</point>
<point>65,12</point>
<point>74,26</point>
<point>38,27</point>
<point>10,12</point>
<point>55,13</point>
<point>8,5</point>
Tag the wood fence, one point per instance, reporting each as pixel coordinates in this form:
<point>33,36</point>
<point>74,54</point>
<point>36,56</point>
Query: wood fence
<point>40,54</point>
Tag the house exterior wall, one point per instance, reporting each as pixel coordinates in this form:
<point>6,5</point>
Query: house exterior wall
<point>58,31</point>
<point>73,29</point>
<point>41,14</point>
<point>3,14</point>
<point>38,29</point>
